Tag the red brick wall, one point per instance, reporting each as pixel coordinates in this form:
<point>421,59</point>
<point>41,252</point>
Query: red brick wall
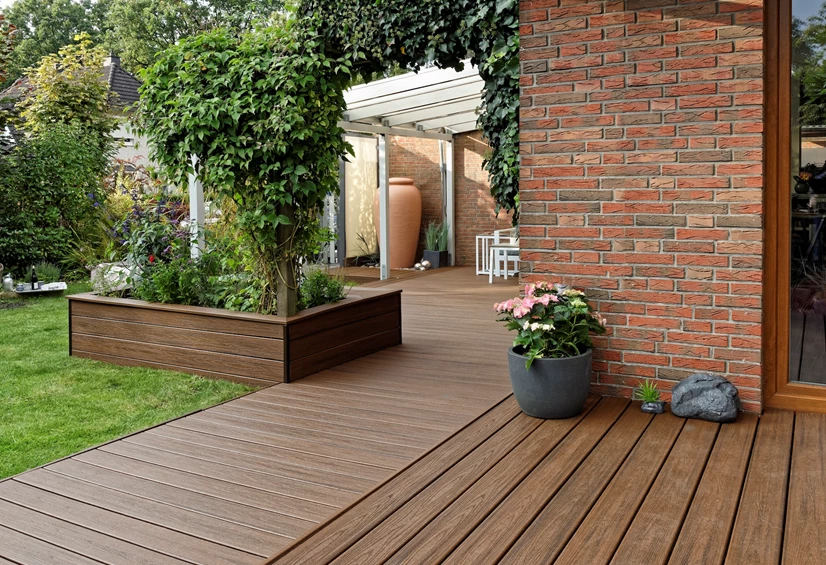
<point>641,128</point>
<point>418,159</point>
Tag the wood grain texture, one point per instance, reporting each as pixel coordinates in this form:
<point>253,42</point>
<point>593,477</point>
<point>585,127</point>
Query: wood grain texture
<point>651,535</point>
<point>757,536</point>
<point>601,532</point>
<point>804,542</point>
<point>705,533</point>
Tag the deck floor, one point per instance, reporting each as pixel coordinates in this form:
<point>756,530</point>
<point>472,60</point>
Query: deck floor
<point>238,482</point>
<point>611,486</point>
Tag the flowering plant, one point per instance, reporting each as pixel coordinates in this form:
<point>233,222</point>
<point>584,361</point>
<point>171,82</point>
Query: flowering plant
<point>550,321</point>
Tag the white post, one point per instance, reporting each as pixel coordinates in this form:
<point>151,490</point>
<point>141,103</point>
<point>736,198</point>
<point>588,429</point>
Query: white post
<point>450,202</point>
<point>384,206</point>
<point>196,210</point>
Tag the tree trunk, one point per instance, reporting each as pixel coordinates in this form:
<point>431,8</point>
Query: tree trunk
<point>287,292</point>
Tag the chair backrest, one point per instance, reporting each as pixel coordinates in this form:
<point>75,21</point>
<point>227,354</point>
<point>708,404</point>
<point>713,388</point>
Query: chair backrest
<point>500,236</point>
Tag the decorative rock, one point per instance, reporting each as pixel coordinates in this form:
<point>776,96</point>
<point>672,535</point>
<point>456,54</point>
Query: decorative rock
<point>707,397</point>
<point>653,407</point>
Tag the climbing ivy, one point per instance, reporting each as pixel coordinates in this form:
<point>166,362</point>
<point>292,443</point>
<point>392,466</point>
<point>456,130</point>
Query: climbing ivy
<point>377,35</point>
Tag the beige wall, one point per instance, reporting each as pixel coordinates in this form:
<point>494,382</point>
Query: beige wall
<point>360,185</point>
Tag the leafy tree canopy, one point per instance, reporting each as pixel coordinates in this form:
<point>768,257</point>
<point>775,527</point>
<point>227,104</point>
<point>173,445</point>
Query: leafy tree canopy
<point>140,29</point>
<point>378,35</point>
<point>260,110</point>
<point>68,88</point>
<point>47,25</point>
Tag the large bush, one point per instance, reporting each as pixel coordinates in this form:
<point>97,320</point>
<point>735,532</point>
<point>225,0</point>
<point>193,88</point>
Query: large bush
<point>260,110</point>
<point>50,188</point>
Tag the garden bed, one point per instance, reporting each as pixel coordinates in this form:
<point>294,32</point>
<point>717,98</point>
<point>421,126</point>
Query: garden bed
<point>239,346</point>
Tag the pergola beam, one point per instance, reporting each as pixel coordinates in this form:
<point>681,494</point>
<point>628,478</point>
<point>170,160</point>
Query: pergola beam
<point>468,104</point>
<point>421,98</point>
<point>384,130</point>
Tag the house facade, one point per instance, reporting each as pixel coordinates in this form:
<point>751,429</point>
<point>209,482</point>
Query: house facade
<point>660,141</point>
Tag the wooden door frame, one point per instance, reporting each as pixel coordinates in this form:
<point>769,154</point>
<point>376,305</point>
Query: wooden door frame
<point>778,392</point>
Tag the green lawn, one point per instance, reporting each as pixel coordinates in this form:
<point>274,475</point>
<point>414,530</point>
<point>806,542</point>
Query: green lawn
<point>52,405</point>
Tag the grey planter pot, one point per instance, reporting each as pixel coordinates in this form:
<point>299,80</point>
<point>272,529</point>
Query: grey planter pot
<point>438,259</point>
<point>551,388</point>
<point>653,407</point>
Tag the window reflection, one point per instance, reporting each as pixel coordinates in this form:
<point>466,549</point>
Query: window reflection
<point>807,344</point>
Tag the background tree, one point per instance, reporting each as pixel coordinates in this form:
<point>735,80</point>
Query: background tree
<point>45,26</point>
<point>68,88</point>
<point>140,29</point>
<point>260,109</point>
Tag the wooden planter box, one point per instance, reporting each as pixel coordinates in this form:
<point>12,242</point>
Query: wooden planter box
<point>239,346</point>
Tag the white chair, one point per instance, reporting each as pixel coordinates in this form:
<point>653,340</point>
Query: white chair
<point>482,253</point>
<point>502,250</point>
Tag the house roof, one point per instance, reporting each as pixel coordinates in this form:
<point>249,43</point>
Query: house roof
<point>430,100</point>
<point>122,83</point>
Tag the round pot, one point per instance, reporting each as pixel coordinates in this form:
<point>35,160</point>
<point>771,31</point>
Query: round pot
<point>551,388</point>
<point>653,407</point>
<point>405,220</point>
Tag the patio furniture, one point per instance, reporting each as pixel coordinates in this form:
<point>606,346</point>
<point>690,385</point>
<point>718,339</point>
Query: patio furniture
<point>482,253</point>
<point>503,249</point>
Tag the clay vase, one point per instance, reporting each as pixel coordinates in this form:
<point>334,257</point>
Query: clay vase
<point>405,216</point>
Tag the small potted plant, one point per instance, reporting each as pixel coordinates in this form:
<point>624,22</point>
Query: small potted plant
<point>435,245</point>
<point>550,361</point>
<point>649,394</point>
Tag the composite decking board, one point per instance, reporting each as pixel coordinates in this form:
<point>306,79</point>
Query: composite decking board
<point>420,440</point>
<point>21,548</point>
<point>757,537</point>
<point>144,534</point>
<point>214,341</point>
<point>334,537</point>
<point>804,541</point>
<point>336,355</point>
<point>405,522</point>
<point>521,438</point>
<point>298,417</point>
<point>115,360</point>
<point>77,539</point>
<point>546,536</point>
<point>513,491</point>
<point>277,455</point>
<point>705,532</point>
<point>281,525</point>
<point>220,531</point>
<point>651,535</point>
<point>340,452</point>
<point>265,481</point>
<point>287,505</point>
<point>599,535</point>
<point>389,446</point>
<point>797,323</point>
<point>334,411</point>
<point>354,331</point>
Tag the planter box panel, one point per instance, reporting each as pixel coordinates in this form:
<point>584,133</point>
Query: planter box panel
<point>170,367</point>
<point>263,369</point>
<point>249,348</point>
<point>343,335</point>
<point>209,341</point>
<point>174,316</point>
<point>334,356</point>
<point>349,310</point>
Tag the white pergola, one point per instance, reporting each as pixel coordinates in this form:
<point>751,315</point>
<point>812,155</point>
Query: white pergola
<point>434,104</point>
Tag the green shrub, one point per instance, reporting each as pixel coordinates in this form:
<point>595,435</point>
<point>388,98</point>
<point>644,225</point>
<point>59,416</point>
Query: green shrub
<point>435,236</point>
<point>46,272</point>
<point>50,188</point>
<point>319,287</point>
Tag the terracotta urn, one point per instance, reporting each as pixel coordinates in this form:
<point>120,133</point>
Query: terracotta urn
<point>405,216</point>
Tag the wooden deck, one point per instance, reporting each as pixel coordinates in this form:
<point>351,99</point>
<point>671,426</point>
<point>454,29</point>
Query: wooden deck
<point>371,276</point>
<point>612,486</point>
<point>238,482</point>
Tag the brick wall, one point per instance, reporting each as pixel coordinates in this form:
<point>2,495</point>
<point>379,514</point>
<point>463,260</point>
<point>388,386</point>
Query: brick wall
<point>641,128</point>
<point>418,159</point>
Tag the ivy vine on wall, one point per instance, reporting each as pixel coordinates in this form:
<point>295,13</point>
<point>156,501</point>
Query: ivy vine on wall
<point>377,35</point>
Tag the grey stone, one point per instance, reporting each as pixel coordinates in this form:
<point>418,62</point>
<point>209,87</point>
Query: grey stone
<point>707,397</point>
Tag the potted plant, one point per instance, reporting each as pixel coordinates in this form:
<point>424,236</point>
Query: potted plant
<point>649,394</point>
<point>435,245</point>
<point>550,361</point>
